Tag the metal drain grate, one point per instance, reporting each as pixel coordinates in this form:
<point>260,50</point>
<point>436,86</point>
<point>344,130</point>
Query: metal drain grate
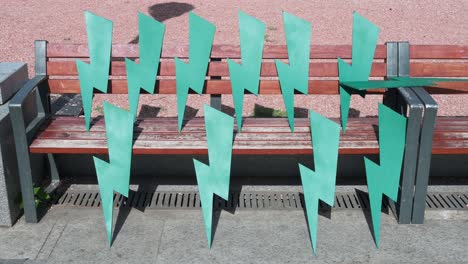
<point>244,200</point>
<point>457,201</point>
<point>187,200</point>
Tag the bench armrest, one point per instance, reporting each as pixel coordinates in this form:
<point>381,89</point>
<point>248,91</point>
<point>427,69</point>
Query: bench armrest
<point>24,133</point>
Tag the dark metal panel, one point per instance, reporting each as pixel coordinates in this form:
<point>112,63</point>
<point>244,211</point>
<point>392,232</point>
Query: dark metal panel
<point>414,115</point>
<point>24,163</point>
<point>403,59</point>
<point>40,65</point>
<point>404,101</point>
<point>215,101</point>
<point>390,97</point>
<point>23,135</point>
<point>425,154</point>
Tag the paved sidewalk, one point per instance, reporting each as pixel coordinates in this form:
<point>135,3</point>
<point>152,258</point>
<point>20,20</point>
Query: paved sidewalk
<point>247,236</point>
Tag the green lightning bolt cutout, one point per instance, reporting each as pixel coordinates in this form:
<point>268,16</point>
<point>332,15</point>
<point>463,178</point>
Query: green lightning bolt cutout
<point>320,184</point>
<point>192,75</point>
<point>214,179</point>
<point>143,75</point>
<point>247,75</point>
<point>115,175</point>
<point>365,36</point>
<point>384,178</point>
<point>95,74</point>
<point>296,74</point>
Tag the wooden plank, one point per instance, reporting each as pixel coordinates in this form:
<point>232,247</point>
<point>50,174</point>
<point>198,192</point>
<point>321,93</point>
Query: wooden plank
<point>433,69</point>
<point>240,148</point>
<point>197,147</point>
<point>61,86</point>
<point>450,147</point>
<point>218,51</point>
<point>169,125</point>
<point>154,136</point>
<point>167,68</point>
<point>438,52</point>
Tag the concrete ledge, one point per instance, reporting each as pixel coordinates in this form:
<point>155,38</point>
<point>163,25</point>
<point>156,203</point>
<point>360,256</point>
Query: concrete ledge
<point>12,76</point>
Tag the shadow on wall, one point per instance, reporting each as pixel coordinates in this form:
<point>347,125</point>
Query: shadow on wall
<point>165,11</point>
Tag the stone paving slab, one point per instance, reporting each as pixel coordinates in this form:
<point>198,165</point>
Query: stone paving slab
<point>23,240</point>
<point>245,236</point>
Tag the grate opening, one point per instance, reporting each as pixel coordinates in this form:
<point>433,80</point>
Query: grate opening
<point>245,200</point>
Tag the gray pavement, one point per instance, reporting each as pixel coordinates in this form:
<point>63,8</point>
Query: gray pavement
<point>177,236</point>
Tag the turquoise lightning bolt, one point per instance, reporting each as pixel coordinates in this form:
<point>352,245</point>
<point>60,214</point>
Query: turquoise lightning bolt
<point>247,75</point>
<point>96,73</point>
<point>115,175</point>
<point>296,74</point>
<point>143,75</point>
<point>320,184</point>
<point>214,179</point>
<point>365,36</point>
<point>192,75</point>
<point>385,178</point>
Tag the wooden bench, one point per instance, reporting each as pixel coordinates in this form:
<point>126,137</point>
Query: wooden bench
<point>439,135</point>
<point>56,73</point>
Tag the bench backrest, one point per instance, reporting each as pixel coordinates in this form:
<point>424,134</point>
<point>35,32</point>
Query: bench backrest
<point>425,61</point>
<point>63,76</point>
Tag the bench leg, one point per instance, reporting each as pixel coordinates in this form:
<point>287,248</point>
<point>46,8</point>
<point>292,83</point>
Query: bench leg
<point>405,102</point>
<point>24,166</point>
<point>54,176</point>
<point>413,108</point>
<point>425,153</point>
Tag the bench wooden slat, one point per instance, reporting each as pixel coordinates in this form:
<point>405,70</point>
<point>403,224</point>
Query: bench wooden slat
<point>167,68</point>
<point>118,86</point>
<point>445,69</point>
<point>197,147</point>
<point>240,147</point>
<point>160,136</point>
<point>65,135</point>
<point>450,147</point>
<point>218,51</point>
<point>169,125</point>
<point>201,136</point>
<point>438,52</point>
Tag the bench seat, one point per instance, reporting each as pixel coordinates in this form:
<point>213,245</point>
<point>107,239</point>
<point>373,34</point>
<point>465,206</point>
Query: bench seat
<point>160,136</point>
<point>267,136</point>
<point>450,135</point>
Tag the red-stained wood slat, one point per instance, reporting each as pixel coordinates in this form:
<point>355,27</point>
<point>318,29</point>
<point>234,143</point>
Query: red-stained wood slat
<point>167,68</point>
<point>63,86</point>
<point>438,52</point>
<point>263,136</point>
<point>197,147</point>
<point>438,69</point>
<point>55,50</point>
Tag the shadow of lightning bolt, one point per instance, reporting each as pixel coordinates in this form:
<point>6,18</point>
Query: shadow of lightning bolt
<point>365,36</point>
<point>96,73</point>
<point>214,179</point>
<point>320,184</point>
<point>115,175</point>
<point>296,74</point>
<point>143,75</point>
<point>247,75</point>
<point>384,179</point>
<point>192,75</point>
